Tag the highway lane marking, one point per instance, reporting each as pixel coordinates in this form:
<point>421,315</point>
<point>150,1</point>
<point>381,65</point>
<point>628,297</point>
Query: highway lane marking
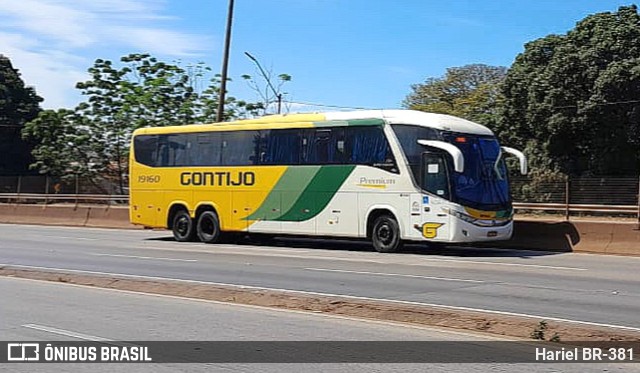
<point>283,254</point>
<point>146,257</point>
<point>507,264</point>
<point>69,237</point>
<point>438,329</point>
<point>67,333</point>
<point>345,296</point>
<point>393,274</point>
<point>200,248</point>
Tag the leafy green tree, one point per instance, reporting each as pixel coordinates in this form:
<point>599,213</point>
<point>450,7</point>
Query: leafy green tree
<point>63,149</point>
<point>18,105</point>
<point>471,92</point>
<point>572,100</point>
<point>93,140</point>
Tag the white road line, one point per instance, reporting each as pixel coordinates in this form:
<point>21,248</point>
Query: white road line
<point>146,257</point>
<point>283,254</point>
<point>69,238</point>
<point>67,333</point>
<point>506,264</point>
<point>345,296</point>
<point>220,249</point>
<point>393,274</point>
<point>439,329</point>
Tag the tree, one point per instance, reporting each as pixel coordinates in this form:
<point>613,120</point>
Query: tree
<point>18,105</point>
<point>93,139</point>
<point>268,94</point>
<point>572,100</point>
<point>471,92</point>
<point>63,149</point>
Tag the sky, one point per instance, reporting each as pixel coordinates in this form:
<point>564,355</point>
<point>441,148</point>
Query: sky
<point>343,53</point>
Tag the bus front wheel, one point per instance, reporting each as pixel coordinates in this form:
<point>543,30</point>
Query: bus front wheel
<point>182,227</point>
<point>208,227</point>
<point>386,234</point>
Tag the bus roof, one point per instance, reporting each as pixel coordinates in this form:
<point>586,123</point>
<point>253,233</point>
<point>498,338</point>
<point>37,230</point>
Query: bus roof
<point>346,118</point>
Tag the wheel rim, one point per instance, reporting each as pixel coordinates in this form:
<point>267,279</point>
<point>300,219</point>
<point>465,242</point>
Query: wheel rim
<point>182,226</point>
<point>385,234</point>
<point>207,226</point>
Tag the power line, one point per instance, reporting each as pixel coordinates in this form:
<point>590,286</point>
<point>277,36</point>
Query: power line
<point>331,106</point>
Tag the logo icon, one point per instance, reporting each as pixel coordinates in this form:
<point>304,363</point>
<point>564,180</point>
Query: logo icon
<point>430,230</point>
<point>23,351</point>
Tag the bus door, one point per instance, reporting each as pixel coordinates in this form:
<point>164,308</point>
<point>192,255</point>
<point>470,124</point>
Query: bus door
<point>434,175</point>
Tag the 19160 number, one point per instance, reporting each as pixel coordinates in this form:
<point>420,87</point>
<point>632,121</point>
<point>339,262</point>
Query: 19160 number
<point>149,179</point>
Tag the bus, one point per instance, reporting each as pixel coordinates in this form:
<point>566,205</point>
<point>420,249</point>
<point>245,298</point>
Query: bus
<point>390,176</point>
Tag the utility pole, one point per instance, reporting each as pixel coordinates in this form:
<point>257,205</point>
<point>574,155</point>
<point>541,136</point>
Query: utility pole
<point>225,63</point>
<point>266,77</point>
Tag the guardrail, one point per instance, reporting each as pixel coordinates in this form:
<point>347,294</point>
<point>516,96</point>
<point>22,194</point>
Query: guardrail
<point>103,198</point>
<point>554,207</point>
<point>617,209</point>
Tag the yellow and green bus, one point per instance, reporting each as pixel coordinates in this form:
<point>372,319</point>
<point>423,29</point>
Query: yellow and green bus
<point>387,175</point>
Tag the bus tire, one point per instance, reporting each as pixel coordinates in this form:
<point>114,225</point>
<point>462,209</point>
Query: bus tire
<point>208,227</point>
<point>385,234</point>
<point>182,227</point>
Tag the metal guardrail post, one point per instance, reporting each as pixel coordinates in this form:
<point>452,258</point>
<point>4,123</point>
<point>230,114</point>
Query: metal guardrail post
<point>77,184</point>
<point>567,198</point>
<point>46,190</point>
<point>18,189</point>
<point>638,224</point>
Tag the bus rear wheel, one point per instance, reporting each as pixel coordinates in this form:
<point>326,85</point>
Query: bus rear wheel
<point>182,227</point>
<point>385,234</point>
<point>208,227</point>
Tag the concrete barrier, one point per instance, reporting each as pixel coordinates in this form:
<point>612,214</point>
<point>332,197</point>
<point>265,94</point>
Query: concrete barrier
<point>602,237</point>
<point>69,215</point>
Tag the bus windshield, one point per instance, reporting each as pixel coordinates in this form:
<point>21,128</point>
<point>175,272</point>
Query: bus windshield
<point>483,184</point>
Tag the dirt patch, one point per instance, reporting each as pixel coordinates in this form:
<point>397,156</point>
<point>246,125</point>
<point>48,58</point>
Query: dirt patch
<point>503,325</point>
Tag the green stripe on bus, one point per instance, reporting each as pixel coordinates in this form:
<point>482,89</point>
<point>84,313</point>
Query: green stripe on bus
<point>318,193</point>
<point>285,193</point>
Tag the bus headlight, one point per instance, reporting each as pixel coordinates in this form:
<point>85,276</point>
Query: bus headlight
<point>478,222</point>
<point>459,215</point>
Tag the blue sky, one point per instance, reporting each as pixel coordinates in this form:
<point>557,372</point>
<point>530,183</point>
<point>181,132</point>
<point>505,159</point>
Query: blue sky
<point>351,53</point>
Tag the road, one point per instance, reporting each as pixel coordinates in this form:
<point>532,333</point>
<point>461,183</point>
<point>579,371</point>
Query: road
<point>44,311</point>
<point>585,288</point>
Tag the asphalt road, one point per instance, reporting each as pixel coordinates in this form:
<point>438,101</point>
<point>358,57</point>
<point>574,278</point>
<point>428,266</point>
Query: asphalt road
<point>41,311</point>
<point>580,287</point>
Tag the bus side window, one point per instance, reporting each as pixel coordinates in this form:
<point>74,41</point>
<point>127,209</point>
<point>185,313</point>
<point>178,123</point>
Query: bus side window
<point>280,147</point>
<point>240,148</point>
<point>146,149</point>
<point>369,146</point>
<point>316,146</point>
<point>207,150</point>
<point>435,177</point>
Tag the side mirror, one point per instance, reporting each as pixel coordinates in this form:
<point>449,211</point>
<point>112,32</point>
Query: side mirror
<point>521,157</point>
<point>456,154</point>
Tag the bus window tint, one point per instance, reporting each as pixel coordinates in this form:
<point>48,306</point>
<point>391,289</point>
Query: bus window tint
<point>280,147</point>
<point>348,145</point>
<point>240,148</point>
<point>435,178</point>
<point>172,150</point>
<point>145,149</point>
<point>207,150</point>
<point>368,145</point>
<point>408,137</point>
<point>318,146</point>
